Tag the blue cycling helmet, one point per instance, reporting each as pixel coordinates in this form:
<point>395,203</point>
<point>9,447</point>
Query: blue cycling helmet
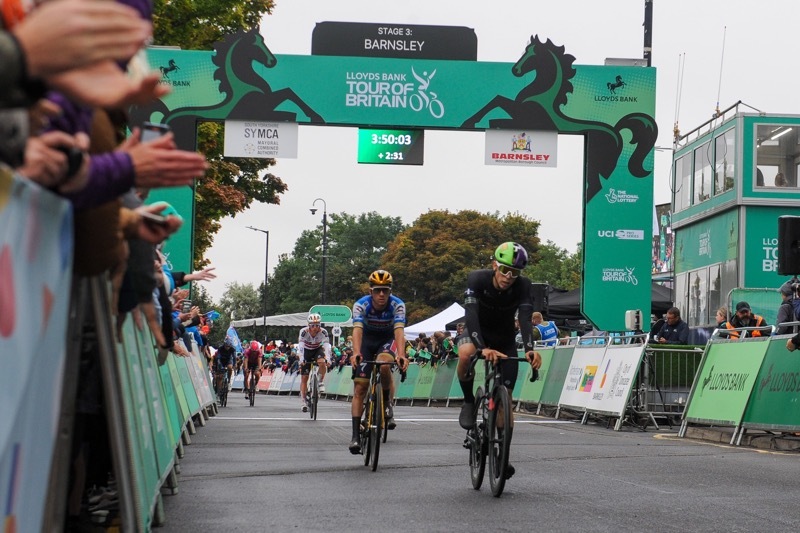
<point>511,255</point>
<point>228,342</point>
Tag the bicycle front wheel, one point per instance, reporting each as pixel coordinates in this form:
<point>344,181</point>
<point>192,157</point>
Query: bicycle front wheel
<point>314,396</point>
<point>477,443</point>
<point>252,389</point>
<point>499,439</point>
<point>375,426</point>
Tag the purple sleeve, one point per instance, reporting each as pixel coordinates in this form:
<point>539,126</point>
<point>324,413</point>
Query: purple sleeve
<point>110,175</point>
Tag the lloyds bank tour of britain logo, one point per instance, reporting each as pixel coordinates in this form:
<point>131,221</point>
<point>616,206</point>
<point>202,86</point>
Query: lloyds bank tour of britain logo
<point>620,275</point>
<point>393,91</point>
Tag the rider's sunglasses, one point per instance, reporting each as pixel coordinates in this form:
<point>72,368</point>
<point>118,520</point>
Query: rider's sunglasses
<point>381,290</point>
<point>508,271</point>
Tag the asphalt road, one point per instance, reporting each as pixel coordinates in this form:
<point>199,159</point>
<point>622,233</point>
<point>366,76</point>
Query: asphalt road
<point>271,468</point>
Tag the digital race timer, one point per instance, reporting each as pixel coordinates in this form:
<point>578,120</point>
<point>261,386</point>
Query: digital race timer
<point>394,147</point>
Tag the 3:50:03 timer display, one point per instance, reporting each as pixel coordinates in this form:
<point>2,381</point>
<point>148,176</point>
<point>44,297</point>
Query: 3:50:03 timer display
<point>389,138</point>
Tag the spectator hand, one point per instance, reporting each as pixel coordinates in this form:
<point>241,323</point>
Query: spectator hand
<point>158,163</point>
<point>65,34</point>
<point>106,85</point>
<point>204,275</point>
<point>790,345</point>
<point>154,232</point>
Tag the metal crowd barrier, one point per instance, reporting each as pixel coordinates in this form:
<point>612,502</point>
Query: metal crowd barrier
<point>664,382</point>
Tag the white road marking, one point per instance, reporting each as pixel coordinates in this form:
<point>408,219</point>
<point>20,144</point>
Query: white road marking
<point>447,420</point>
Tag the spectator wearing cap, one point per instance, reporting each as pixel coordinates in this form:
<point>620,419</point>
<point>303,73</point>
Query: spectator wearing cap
<point>786,309</point>
<point>674,330</point>
<point>745,318</point>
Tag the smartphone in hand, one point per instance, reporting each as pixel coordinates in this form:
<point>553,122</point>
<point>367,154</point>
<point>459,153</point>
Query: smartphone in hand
<point>152,218</point>
<point>152,130</point>
<point>186,306</point>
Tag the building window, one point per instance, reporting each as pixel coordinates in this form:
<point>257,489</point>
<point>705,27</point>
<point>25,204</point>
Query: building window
<point>683,183</point>
<point>724,162</point>
<point>777,156</point>
<point>702,174</point>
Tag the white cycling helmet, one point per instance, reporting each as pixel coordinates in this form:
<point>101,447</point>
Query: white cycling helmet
<point>314,318</point>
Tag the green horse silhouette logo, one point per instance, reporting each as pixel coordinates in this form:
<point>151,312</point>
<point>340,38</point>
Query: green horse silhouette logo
<point>538,106</point>
<point>248,96</point>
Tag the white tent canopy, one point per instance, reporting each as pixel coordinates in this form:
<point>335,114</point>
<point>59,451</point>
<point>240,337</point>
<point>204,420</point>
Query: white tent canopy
<point>292,320</point>
<point>436,322</point>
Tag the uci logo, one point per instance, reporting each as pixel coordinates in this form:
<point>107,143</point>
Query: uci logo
<point>605,233</point>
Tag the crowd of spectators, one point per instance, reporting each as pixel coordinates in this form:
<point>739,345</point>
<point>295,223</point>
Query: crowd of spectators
<point>69,70</point>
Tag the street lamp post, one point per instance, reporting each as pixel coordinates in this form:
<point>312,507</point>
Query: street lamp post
<point>266,273</point>
<point>324,240</point>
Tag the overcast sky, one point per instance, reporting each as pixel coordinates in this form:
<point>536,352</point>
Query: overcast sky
<point>757,69</point>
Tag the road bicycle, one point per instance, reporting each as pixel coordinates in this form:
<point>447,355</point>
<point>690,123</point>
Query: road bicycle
<point>312,391</point>
<point>251,389</point>
<point>373,422</point>
<point>489,437</point>
<point>222,392</point>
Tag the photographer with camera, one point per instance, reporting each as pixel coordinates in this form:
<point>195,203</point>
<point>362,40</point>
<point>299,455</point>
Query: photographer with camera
<point>786,310</point>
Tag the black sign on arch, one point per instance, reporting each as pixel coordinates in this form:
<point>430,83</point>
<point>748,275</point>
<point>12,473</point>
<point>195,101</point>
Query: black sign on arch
<point>404,41</point>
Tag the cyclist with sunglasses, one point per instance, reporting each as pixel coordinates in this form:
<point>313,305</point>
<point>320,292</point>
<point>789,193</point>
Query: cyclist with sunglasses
<point>491,301</point>
<point>379,321</point>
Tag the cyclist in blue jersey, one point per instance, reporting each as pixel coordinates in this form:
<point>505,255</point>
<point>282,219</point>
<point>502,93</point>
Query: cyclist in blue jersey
<point>379,320</point>
<point>491,301</point>
<point>224,360</point>
<point>544,331</point>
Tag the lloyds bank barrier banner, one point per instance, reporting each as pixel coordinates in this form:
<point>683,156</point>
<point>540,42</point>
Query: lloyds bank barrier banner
<point>612,107</point>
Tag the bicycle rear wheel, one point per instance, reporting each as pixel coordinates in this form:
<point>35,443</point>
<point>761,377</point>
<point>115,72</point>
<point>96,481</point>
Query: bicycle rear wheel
<point>376,426</point>
<point>314,396</point>
<point>477,443</point>
<point>499,439</point>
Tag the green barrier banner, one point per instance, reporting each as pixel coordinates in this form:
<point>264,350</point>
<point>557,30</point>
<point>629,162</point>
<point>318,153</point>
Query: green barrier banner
<point>171,403</point>
<point>615,378</point>
<point>581,376</point>
<point>422,390</point>
<point>405,390</point>
<point>556,375</point>
<point>188,386</point>
<point>183,404</point>
<point>775,402</point>
<point>160,423</point>
<point>137,420</point>
<point>332,380</point>
<point>532,392</point>
<point>443,381</point>
<point>727,376</point>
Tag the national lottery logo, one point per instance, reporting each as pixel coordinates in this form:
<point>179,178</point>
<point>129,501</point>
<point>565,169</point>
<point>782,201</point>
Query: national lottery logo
<point>393,90</point>
<point>621,197</point>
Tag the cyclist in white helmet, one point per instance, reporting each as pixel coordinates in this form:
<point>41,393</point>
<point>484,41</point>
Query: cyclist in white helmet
<point>313,345</point>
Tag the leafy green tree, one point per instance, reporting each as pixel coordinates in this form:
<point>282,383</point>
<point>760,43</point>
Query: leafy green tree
<point>231,185</point>
<point>557,267</point>
<point>355,247</point>
<point>432,258</point>
<point>240,300</point>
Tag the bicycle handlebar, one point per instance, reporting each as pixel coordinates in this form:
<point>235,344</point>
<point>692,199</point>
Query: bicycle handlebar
<point>479,355</point>
<point>403,373</point>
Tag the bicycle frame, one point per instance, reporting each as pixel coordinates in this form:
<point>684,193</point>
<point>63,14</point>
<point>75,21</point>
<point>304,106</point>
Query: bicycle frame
<point>372,422</point>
